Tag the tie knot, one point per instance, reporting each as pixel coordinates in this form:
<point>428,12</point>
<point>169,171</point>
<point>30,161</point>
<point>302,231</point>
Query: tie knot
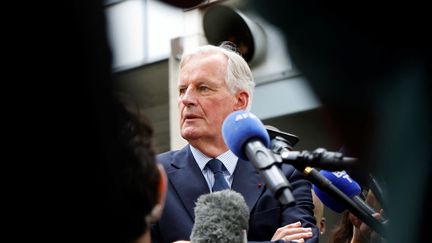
<point>215,165</point>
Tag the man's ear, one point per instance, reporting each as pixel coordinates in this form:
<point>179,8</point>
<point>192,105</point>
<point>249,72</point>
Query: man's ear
<point>322,225</point>
<point>156,212</point>
<point>242,99</point>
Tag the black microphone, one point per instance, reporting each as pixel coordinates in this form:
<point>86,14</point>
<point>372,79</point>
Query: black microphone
<point>339,201</point>
<point>247,138</point>
<point>221,216</point>
<point>320,158</point>
<point>282,143</point>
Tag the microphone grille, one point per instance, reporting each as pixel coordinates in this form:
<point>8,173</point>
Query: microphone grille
<point>241,126</point>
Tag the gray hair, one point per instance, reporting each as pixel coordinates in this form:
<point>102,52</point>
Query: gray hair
<point>238,74</point>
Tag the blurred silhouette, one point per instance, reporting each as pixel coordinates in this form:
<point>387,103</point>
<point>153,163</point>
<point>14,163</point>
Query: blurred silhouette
<point>90,172</point>
<point>133,185</point>
<point>370,66</point>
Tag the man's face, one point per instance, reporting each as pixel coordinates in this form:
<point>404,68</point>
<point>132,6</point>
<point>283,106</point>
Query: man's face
<point>204,97</point>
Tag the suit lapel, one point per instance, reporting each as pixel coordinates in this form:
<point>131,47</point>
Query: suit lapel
<point>248,182</point>
<point>187,179</point>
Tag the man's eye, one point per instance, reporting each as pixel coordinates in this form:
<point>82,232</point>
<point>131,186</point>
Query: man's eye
<point>182,91</point>
<point>203,88</point>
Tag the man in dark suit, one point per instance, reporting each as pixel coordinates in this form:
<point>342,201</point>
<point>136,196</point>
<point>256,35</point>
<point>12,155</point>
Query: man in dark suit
<point>215,81</point>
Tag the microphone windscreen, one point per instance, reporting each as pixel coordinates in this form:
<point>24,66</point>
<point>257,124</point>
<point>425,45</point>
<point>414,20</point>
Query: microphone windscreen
<point>328,201</point>
<point>240,126</point>
<point>343,182</point>
<point>221,216</point>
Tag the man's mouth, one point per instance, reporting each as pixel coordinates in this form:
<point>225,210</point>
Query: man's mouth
<point>191,116</point>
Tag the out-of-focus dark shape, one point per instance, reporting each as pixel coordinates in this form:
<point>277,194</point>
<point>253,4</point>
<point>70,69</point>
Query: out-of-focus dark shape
<point>369,63</point>
<point>85,148</point>
<point>184,3</point>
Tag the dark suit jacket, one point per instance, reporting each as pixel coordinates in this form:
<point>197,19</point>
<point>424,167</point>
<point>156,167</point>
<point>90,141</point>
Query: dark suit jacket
<point>187,183</point>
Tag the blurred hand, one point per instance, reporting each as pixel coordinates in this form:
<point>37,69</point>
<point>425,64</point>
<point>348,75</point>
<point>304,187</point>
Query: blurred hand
<point>292,232</point>
<point>362,232</point>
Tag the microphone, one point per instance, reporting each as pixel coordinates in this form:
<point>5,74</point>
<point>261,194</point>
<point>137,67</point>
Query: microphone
<point>340,182</point>
<point>221,216</point>
<point>282,144</point>
<point>247,138</point>
<point>320,158</point>
<point>348,186</point>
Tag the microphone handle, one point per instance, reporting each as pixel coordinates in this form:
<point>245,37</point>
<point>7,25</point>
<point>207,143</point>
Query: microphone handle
<point>327,186</point>
<point>266,163</point>
<point>366,208</point>
<point>322,159</point>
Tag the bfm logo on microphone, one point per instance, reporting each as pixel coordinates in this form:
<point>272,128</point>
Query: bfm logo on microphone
<point>342,174</point>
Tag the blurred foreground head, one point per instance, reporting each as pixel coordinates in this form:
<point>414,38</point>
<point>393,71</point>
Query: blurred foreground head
<point>134,184</point>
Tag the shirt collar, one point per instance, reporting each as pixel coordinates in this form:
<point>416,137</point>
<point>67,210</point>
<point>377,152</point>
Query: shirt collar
<point>228,159</point>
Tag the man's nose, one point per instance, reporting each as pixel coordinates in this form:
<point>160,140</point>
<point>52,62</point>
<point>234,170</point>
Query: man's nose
<point>189,97</point>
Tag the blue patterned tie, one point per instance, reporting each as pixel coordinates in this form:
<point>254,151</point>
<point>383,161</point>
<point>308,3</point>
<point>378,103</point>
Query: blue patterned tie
<point>216,167</point>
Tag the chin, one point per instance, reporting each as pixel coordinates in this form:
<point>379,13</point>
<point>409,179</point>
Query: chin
<point>189,134</point>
